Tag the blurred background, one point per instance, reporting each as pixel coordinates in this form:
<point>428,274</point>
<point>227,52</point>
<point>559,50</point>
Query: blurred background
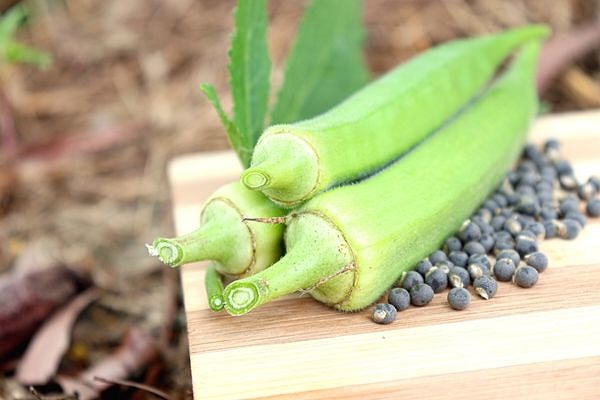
<point>84,144</point>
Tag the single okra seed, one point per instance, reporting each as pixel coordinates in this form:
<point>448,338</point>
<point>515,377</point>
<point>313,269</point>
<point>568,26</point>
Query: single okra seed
<point>577,216</point>
<point>551,144</point>
<point>537,228</point>
<point>384,313</point>
<point>452,244</point>
<point>525,276</point>
<point>423,266</point>
<point>477,271</point>
<point>399,298</point>
<point>595,181</point>
<point>459,277</point>
<point>437,279</point>
<point>568,204</point>
<point>444,266</point>
<point>513,226</point>
<point>459,298</point>
<point>485,214</point>
<point>491,205</point>
<point>537,260</point>
<point>528,178</point>
<point>569,230</point>
<point>474,248</point>
<point>551,228</point>
<point>548,213</point>
<point>498,222</point>
<point>485,286</point>
<point>526,234</point>
<point>593,208</point>
<point>526,245</point>
<point>421,294</point>
<point>510,254</point>
<point>563,167</point>
<point>480,259</point>
<point>437,256</point>
<point>409,279</point>
<point>503,269</point>
<point>503,236</point>
<point>567,182</point>
<point>586,191</point>
<point>501,200</point>
<point>502,245</point>
<point>459,258</point>
<point>528,205</point>
<point>469,231</point>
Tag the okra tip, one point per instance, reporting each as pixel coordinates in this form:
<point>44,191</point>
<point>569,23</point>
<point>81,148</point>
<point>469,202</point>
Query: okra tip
<point>167,251</point>
<point>255,178</point>
<point>240,297</point>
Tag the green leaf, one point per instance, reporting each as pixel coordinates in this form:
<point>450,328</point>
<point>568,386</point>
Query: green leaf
<point>235,139</point>
<point>16,52</point>
<point>249,69</point>
<point>325,65</point>
<point>10,21</point>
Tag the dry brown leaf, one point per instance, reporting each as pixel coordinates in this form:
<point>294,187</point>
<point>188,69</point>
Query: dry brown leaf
<point>43,355</point>
<point>133,355</point>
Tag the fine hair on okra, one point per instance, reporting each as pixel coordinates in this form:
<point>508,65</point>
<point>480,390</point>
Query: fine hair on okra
<point>376,125</point>
<point>236,246</point>
<point>349,244</point>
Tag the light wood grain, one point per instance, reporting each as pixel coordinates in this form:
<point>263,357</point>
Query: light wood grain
<point>539,343</point>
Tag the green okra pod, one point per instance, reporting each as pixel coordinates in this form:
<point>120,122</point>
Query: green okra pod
<point>293,162</point>
<point>348,245</point>
<point>237,247</point>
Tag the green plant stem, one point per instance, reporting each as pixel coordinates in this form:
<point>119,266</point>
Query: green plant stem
<point>214,288</point>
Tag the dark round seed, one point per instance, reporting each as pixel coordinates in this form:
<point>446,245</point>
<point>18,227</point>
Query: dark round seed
<point>503,269</point>
<point>421,294</point>
<point>551,228</point>
<point>491,205</point>
<point>399,298</point>
<point>528,178</point>
<point>485,214</point>
<point>469,231</point>
<point>444,266</point>
<point>480,259</point>
<point>548,213</point>
<point>528,205</point>
<point>501,200</point>
<point>551,144</point>
<point>586,191</point>
<point>513,226</point>
<point>537,228</point>
<point>459,298</point>
<point>563,167</point>
<point>543,186</point>
<point>526,245</point>
<point>452,244</point>
<point>569,229</point>
<point>474,248</point>
<point>498,222</point>
<point>510,254</point>
<point>477,271</point>
<point>485,286</point>
<point>567,182</point>
<point>423,266</point>
<point>502,245</point>
<point>569,204</point>
<point>459,258</point>
<point>593,208</point>
<point>487,241</point>
<point>459,277</point>
<point>537,260</point>
<point>512,177</point>
<point>437,256</point>
<point>409,279</point>
<point>486,229</point>
<point>525,276</point>
<point>577,216</point>
<point>437,279</point>
<point>384,313</point>
<point>595,181</point>
<point>526,234</point>
<point>503,236</point>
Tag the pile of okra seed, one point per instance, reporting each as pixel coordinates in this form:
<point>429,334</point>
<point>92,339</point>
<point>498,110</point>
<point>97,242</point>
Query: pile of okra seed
<point>540,199</point>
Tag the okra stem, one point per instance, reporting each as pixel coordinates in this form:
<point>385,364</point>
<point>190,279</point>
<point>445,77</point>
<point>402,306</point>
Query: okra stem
<point>303,267</point>
<point>205,243</point>
<point>214,288</point>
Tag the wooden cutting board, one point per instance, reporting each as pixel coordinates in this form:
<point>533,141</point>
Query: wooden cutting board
<point>539,343</point>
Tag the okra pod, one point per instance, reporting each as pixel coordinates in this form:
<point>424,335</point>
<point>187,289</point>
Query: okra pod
<point>238,247</point>
<point>348,245</point>
<point>376,125</point>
